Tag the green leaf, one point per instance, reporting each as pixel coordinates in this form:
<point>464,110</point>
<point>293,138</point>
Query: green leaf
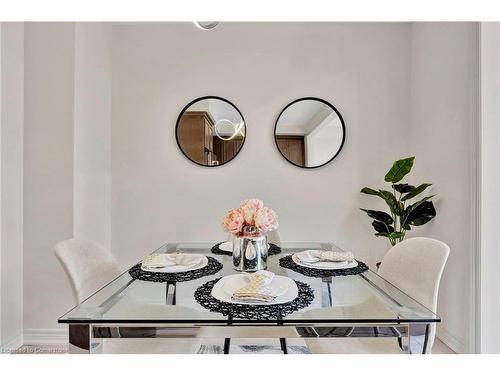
<point>379,215</point>
<point>403,188</point>
<point>417,203</point>
<point>415,192</point>
<point>370,191</point>
<point>399,169</point>
<point>391,201</point>
<point>382,228</point>
<point>405,215</point>
<point>421,214</point>
<point>396,235</point>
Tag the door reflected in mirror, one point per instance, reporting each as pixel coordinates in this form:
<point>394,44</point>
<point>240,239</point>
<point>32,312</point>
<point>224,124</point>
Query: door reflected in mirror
<point>309,132</point>
<point>210,131</point>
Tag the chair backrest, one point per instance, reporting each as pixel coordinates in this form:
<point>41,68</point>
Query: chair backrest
<point>415,266</point>
<point>89,266</point>
<point>274,237</point>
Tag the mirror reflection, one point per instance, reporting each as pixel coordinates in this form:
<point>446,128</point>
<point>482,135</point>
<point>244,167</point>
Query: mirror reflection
<point>210,131</point>
<point>309,132</point>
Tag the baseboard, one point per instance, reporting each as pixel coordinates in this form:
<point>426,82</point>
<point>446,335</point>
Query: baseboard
<point>451,341</point>
<point>13,344</point>
<point>45,336</point>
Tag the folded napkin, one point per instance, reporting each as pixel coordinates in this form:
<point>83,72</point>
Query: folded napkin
<point>177,262</point>
<point>315,256</point>
<point>258,289</point>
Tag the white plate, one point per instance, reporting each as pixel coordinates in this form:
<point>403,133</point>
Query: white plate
<point>228,247</point>
<point>325,265</point>
<point>174,269</point>
<point>285,288</point>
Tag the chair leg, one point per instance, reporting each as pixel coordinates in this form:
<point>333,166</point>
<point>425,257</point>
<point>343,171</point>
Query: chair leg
<point>227,345</point>
<point>399,337</point>
<point>283,345</point>
<point>400,343</point>
<point>227,340</point>
<point>426,339</point>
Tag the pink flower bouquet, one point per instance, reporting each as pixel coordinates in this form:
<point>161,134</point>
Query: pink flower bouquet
<point>250,219</point>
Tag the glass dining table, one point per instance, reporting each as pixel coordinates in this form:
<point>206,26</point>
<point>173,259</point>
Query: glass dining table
<point>361,305</point>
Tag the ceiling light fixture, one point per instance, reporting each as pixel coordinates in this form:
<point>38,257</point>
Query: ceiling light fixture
<point>206,25</point>
<point>236,129</point>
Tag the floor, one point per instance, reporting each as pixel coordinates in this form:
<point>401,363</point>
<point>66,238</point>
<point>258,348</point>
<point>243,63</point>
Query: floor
<point>311,346</point>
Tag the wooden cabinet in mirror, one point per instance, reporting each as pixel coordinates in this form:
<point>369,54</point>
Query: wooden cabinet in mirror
<point>210,131</point>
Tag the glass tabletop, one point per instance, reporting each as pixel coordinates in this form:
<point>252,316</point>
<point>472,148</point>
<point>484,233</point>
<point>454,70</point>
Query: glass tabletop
<point>362,298</point>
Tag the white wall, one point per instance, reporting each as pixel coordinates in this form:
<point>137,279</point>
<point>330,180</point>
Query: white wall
<point>443,96</point>
<point>48,169</point>
<point>92,132</point>
<point>158,195</point>
<point>324,141</point>
<point>490,185</point>
<point>11,166</point>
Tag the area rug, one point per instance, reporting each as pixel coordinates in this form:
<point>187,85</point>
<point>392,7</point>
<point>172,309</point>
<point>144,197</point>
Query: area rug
<point>266,347</point>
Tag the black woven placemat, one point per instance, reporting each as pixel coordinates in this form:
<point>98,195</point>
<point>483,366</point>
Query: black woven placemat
<point>203,295</point>
<point>273,249</point>
<point>287,262</point>
<point>211,268</point>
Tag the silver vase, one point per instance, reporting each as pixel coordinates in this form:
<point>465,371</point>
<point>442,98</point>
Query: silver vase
<point>249,253</point>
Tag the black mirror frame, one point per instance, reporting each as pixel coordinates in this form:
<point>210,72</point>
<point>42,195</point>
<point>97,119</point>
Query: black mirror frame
<point>329,105</point>
<point>189,105</point>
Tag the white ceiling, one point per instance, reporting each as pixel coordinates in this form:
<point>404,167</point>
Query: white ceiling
<point>303,117</point>
<point>218,109</point>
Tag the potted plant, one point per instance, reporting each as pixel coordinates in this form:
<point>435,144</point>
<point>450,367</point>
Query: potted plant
<point>403,214</point>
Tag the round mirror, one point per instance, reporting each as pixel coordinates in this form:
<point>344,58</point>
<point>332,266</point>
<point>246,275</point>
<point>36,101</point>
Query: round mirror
<point>210,131</point>
<point>309,132</point>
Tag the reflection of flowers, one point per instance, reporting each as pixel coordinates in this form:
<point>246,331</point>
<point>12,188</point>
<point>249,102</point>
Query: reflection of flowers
<point>250,219</point>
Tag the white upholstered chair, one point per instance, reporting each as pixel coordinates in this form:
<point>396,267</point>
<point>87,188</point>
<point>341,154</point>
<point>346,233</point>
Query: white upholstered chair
<point>88,265</point>
<point>274,237</point>
<point>415,266</point>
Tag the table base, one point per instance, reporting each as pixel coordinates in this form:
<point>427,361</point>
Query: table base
<point>87,338</point>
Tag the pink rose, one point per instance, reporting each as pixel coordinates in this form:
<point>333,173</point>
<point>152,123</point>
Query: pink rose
<point>266,219</point>
<point>248,208</point>
<point>233,221</point>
